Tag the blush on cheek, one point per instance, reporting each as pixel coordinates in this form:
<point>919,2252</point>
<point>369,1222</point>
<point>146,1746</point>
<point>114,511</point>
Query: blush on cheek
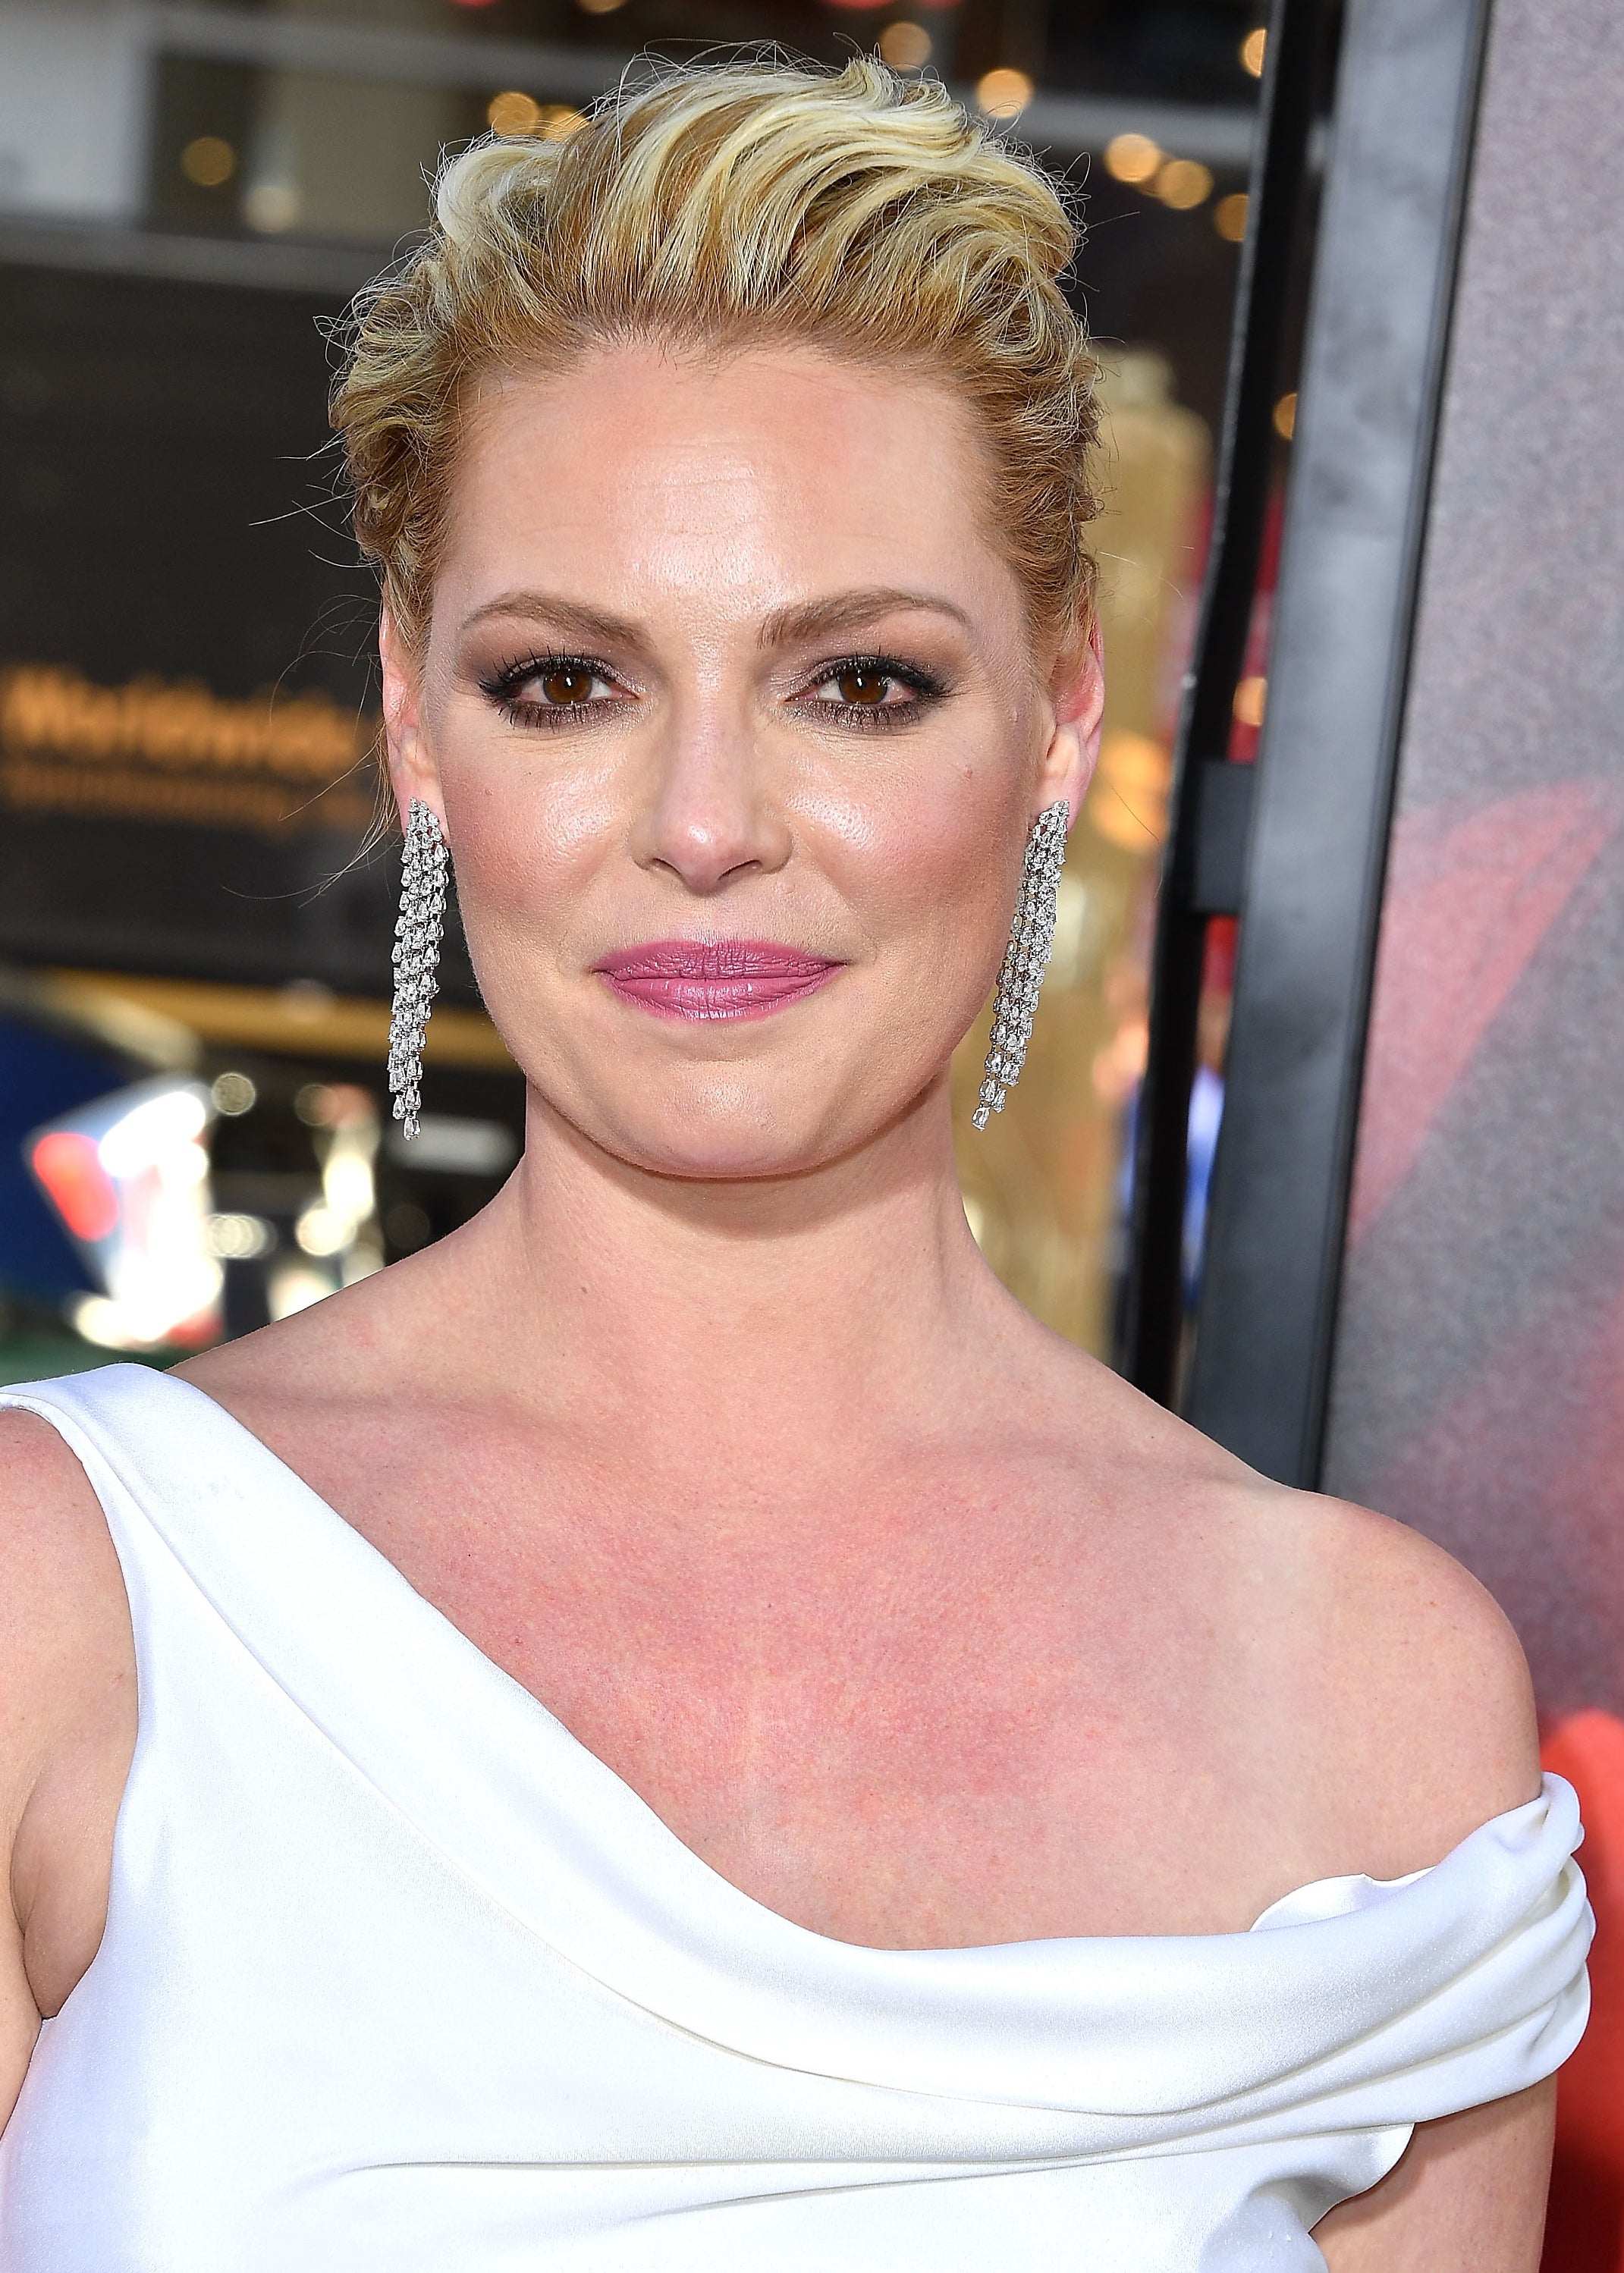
<point>510,898</point>
<point>951,889</point>
<point>524,856</point>
<point>961,852</point>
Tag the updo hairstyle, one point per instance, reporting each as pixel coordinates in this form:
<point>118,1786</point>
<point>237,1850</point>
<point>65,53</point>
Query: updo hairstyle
<point>715,207</point>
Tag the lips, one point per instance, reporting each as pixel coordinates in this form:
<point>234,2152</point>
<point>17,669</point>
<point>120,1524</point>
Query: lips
<point>726,978</point>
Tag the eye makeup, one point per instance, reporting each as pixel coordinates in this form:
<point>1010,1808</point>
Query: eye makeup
<point>872,692</point>
<point>566,683</point>
<point>860,701</point>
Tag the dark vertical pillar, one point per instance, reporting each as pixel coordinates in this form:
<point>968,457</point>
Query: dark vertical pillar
<point>1366,420</point>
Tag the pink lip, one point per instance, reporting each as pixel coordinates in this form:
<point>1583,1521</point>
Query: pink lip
<point>730,978</point>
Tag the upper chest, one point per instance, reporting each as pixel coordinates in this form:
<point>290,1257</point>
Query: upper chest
<point>959,1704</point>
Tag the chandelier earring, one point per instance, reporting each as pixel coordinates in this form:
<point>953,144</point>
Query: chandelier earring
<point>1032,939</point>
<point>417,956</point>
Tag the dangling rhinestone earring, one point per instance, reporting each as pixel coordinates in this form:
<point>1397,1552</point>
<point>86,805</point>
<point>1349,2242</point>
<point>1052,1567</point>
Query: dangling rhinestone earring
<point>1031,936</point>
<point>416,955</point>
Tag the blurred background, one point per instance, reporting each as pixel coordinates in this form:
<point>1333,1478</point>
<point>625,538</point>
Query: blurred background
<point>191,889</point>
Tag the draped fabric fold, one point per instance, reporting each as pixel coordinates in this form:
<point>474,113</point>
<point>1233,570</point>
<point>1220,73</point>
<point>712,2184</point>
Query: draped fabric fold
<point>397,1973</point>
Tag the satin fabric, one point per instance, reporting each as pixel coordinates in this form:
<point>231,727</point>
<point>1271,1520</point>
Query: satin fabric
<point>397,1974</point>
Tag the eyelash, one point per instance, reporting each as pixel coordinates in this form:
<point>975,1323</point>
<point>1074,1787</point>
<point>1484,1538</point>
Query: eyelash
<point>881,718</point>
<point>500,685</point>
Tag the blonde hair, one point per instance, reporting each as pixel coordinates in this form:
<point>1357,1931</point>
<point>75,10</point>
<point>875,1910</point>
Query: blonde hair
<point>718,206</point>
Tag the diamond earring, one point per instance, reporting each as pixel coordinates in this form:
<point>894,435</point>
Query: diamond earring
<point>416,955</point>
<point>1031,936</point>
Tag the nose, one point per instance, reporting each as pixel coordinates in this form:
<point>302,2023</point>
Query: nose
<point>712,817</point>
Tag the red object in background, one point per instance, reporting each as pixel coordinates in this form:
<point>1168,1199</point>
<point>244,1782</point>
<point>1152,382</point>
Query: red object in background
<point>70,1167</point>
<point>1584,2229</point>
<point>1472,891</point>
<point>1218,955</point>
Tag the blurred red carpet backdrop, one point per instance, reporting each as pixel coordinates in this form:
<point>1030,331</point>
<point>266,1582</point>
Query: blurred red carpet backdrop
<point>1479,1353</point>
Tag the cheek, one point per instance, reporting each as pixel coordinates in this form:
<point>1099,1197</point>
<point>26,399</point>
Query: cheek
<point>527,838</point>
<point>929,874</point>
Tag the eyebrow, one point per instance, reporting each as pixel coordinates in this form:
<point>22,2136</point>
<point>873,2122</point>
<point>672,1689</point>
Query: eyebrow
<point>812,619</point>
<point>568,615</point>
<point>805,619</point>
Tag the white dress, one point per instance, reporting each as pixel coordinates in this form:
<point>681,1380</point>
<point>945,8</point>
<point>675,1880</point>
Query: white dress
<point>398,1975</point>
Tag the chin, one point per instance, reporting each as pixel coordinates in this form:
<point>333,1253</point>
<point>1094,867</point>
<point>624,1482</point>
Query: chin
<point>720,1130</point>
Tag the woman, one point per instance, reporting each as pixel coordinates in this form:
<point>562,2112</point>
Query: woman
<point>678,1729</point>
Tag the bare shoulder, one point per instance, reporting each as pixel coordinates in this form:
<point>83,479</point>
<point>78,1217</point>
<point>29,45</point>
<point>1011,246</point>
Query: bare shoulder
<point>62,1597</point>
<point>1360,1697</point>
<point>1452,1680</point>
<point>1404,1696</point>
<point>66,1653</point>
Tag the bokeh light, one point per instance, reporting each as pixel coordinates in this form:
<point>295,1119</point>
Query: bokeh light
<point>904,46</point>
<point>1250,697</point>
<point>209,161</point>
<point>1183,184</point>
<point>271,207</point>
<point>1004,93</point>
<point>1132,157</point>
<point>233,1094</point>
<point>513,113</point>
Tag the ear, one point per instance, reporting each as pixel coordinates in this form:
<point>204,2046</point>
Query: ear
<point>1076,694</point>
<point>412,771</point>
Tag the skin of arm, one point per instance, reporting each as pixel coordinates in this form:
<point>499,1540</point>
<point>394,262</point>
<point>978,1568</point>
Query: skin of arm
<point>19,2018</point>
<point>67,1729</point>
<point>1469,2195</point>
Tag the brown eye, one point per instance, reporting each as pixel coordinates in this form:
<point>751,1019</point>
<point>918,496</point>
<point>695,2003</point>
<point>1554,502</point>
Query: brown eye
<point>567,683</point>
<point>864,690</point>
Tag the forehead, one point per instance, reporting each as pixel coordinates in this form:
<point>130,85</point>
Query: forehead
<point>761,474</point>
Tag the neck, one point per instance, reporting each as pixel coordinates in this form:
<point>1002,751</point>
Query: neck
<point>686,1304</point>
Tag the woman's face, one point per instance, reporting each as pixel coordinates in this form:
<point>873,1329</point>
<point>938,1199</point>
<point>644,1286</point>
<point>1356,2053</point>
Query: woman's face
<point>733,718</point>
